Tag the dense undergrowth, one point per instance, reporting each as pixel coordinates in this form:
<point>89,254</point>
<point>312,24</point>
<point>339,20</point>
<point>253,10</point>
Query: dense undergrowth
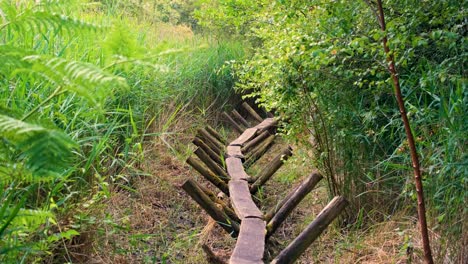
<point>83,85</point>
<point>321,67</point>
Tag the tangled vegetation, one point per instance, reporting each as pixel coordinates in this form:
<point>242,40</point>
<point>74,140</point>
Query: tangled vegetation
<point>320,65</point>
<point>84,85</point>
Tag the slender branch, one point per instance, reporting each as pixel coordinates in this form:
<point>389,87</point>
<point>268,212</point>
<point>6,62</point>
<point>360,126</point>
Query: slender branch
<point>410,137</point>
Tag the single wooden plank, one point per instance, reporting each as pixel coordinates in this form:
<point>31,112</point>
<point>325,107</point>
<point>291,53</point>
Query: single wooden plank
<point>240,118</point>
<point>252,112</point>
<point>294,250</point>
<point>234,124</point>
<point>242,201</point>
<point>248,134</point>
<point>250,244</point>
<point>234,151</point>
<point>197,194</point>
<point>266,124</point>
<point>235,169</point>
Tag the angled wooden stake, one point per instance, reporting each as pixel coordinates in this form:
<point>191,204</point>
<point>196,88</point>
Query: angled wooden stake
<point>216,134</point>
<point>215,156</point>
<point>209,175</point>
<point>292,201</point>
<point>192,189</point>
<point>254,142</point>
<point>294,250</point>
<point>240,118</point>
<point>215,198</point>
<point>205,134</point>
<point>270,169</point>
<point>252,112</point>
<point>258,151</point>
<point>201,154</point>
<point>233,123</point>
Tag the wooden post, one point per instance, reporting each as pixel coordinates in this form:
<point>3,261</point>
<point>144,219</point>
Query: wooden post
<point>252,112</point>
<point>211,138</point>
<point>216,199</point>
<point>240,118</point>
<point>292,252</point>
<point>270,169</point>
<point>291,203</point>
<point>258,151</point>
<point>192,189</point>
<point>215,156</point>
<point>215,134</point>
<point>211,164</point>
<point>255,141</point>
<point>234,124</point>
<point>210,176</point>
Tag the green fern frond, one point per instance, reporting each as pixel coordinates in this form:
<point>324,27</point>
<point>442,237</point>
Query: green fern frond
<point>11,58</point>
<point>44,151</point>
<point>37,19</point>
<point>83,78</point>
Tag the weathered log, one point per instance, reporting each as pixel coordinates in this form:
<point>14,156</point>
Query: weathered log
<point>213,166</point>
<point>215,198</point>
<point>295,249</point>
<point>270,169</point>
<point>192,189</point>
<point>234,124</point>
<point>209,175</point>
<point>210,144</point>
<point>242,201</point>
<point>289,205</point>
<point>258,151</point>
<point>211,138</point>
<point>250,245</point>
<point>201,144</point>
<point>215,134</point>
<point>240,118</point>
<point>254,142</point>
<point>252,112</point>
<point>235,169</point>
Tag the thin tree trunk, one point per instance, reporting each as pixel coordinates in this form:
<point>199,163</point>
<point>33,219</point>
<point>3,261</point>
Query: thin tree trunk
<point>410,137</point>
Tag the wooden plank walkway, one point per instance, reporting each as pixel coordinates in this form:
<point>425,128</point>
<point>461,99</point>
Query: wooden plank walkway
<point>223,166</point>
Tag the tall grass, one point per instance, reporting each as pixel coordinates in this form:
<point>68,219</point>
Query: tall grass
<point>80,87</point>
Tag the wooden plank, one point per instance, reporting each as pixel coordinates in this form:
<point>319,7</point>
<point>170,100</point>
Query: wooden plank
<point>242,201</point>
<point>250,244</point>
<point>248,134</point>
<point>235,169</point>
<point>234,151</point>
<point>266,124</point>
